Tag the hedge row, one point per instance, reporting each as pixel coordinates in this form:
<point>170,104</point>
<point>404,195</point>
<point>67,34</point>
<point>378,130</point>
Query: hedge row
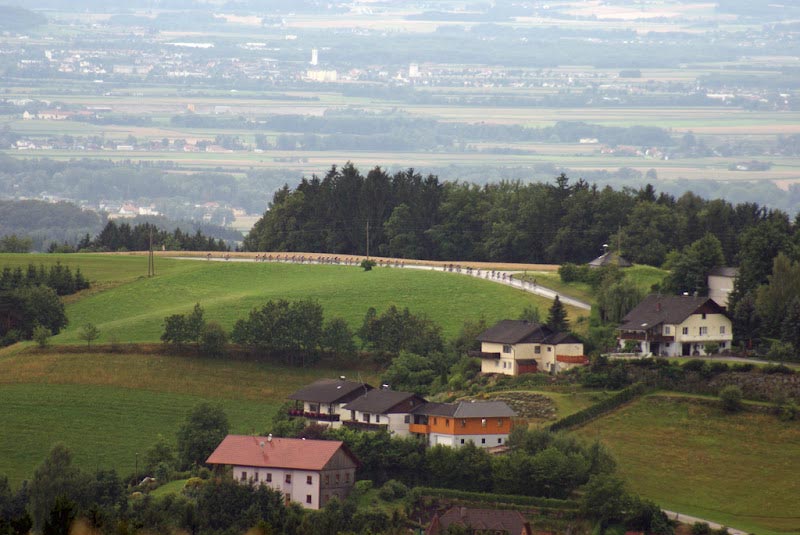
<point>608,404</point>
<point>489,498</point>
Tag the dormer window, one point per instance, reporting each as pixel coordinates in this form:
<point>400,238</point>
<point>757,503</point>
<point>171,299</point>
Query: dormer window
<point>506,348</point>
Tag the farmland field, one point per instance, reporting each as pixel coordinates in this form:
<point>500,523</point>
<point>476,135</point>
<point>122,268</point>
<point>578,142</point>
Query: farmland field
<point>739,470</point>
<point>134,311</point>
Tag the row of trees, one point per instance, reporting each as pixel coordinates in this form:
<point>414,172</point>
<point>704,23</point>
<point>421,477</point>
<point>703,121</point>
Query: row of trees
<point>27,309</point>
<point>58,277</point>
<point>412,216</point>
<point>124,237</point>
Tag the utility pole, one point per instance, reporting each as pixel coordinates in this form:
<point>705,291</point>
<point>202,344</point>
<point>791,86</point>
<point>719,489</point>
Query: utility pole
<point>151,264</point>
<point>367,239</point>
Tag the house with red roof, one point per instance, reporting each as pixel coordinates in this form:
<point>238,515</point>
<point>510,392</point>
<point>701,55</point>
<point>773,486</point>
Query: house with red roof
<point>479,522</point>
<point>309,472</point>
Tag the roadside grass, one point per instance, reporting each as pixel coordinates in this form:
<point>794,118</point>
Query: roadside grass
<point>644,277</point>
<point>109,407</point>
<point>101,268</point>
<point>134,311</point>
<point>739,470</point>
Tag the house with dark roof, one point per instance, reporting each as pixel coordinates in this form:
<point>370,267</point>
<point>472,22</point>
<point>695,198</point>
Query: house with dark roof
<point>480,522</point>
<point>720,284</point>
<point>309,472</point>
<point>486,424</point>
<point>322,401</point>
<point>673,325</point>
<point>514,347</point>
<point>382,409</point>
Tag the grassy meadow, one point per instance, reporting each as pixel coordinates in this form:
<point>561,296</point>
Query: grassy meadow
<point>131,307</point>
<point>739,470</point>
<point>108,407</point>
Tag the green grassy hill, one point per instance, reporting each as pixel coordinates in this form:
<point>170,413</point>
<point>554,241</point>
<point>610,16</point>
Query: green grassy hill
<point>131,308</point>
<point>736,469</point>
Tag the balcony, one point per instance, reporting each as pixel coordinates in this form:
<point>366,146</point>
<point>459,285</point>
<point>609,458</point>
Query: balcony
<point>640,336</point>
<point>421,429</point>
<point>319,416</point>
<point>365,426</point>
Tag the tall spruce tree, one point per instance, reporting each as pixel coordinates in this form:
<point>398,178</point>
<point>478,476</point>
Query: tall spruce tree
<point>557,316</point>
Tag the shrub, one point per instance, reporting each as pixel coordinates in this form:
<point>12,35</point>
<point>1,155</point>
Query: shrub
<point>367,264</point>
<point>213,339</point>
<point>777,368</point>
<point>718,367</point>
<point>711,348</point>
<point>701,528</point>
<point>731,398</point>
<point>789,412</point>
<point>747,367</point>
<point>41,335</point>
<point>393,490</point>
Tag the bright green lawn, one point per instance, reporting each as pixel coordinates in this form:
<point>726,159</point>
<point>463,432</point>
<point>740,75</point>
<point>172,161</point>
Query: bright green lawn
<point>739,470</point>
<point>134,312</point>
<point>173,487</point>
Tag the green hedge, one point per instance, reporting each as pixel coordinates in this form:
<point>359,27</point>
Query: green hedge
<point>489,498</point>
<point>608,404</point>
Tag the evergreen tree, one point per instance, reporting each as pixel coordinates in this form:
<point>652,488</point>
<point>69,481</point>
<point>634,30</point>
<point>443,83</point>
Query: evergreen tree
<point>557,316</point>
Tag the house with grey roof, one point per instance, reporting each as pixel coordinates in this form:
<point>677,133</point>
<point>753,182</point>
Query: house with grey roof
<point>514,347</point>
<point>485,424</point>
<point>676,325</point>
<point>322,401</point>
<point>382,409</point>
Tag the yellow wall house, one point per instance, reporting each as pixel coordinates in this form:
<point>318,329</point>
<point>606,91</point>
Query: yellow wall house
<point>514,347</point>
<point>673,326</point>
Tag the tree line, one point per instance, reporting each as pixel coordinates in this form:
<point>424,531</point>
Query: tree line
<point>124,237</point>
<point>58,277</point>
<point>411,216</point>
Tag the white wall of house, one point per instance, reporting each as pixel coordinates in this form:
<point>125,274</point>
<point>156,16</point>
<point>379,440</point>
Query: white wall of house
<point>294,484</point>
<point>455,441</point>
<point>720,288</point>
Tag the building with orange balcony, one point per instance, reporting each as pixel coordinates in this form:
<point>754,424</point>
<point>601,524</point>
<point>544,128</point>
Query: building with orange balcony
<point>484,423</point>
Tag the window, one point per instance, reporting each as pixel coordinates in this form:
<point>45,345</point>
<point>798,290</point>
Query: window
<point>549,349</point>
<point>435,421</point>
<point>337,477</point>
<point>327,479</point>
<point>703,331</point>
<point>499,422</point>
<point>483,422</point>
<point>462,440</point>
<point>537,350</point>
<point>407,419</point>
<point>721,329</point>
<point>667,329</point>
<point>309,480</point>
<point>506,348</point>
<point>685,330</point>
<point>308,498</point>
<point>365,417</point>
<point>483,441</point>
<point>255,477</point>
<point>497,363</point>
<point>288,478</point>
<point>269,477</point>
<point>463,422</point>
<point>244,476</point>
<point>703,315</point>
<point>447,422</point>
<point>499,440</point>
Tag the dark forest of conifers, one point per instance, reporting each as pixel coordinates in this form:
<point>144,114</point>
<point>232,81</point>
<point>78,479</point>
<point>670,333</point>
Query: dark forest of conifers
<point>420,217</point>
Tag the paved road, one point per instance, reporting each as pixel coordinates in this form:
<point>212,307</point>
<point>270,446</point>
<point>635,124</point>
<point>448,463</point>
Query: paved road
<point>499,277</point>
<point>686,519</point>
